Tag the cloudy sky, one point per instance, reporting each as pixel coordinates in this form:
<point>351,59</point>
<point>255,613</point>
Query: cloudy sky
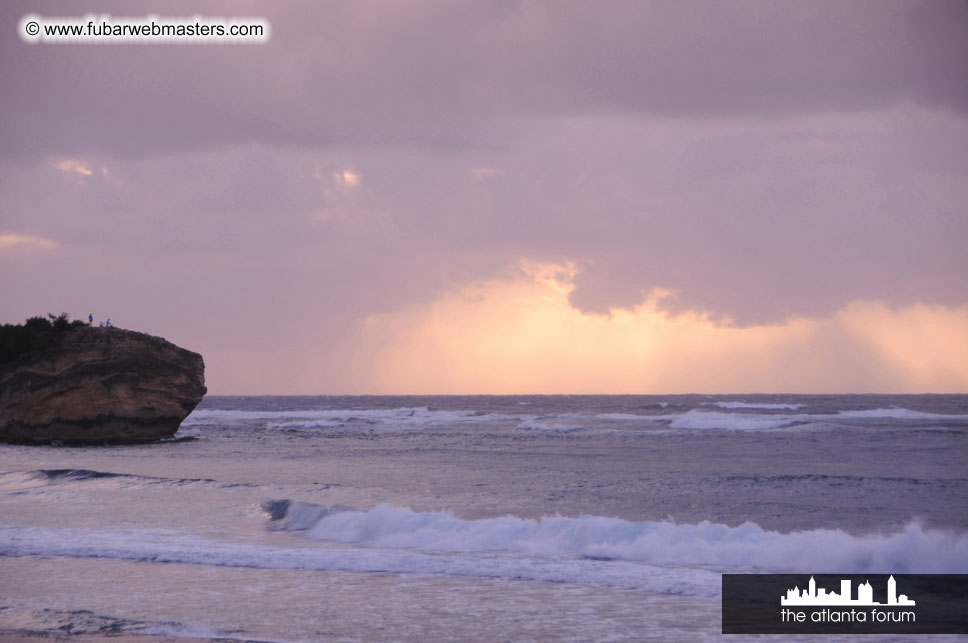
<point>522,196</point>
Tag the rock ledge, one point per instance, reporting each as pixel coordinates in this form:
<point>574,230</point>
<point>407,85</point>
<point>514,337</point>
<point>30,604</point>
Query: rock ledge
<point>98,386</point>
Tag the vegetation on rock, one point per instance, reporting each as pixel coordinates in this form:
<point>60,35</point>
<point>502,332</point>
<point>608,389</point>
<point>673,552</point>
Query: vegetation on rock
<point>33,335</point>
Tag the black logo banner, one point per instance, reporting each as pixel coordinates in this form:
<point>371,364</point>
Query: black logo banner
<point>845,603</point>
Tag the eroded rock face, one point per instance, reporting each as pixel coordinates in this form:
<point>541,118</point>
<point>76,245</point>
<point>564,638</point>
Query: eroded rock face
<point>99,385</point>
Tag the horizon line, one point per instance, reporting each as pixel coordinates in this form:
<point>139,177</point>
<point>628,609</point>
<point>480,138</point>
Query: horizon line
<point>210,394</point>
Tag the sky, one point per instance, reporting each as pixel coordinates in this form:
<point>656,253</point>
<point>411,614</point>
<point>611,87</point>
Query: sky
<point>506,196</point>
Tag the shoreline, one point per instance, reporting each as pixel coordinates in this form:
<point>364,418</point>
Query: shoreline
<point>28,636</point>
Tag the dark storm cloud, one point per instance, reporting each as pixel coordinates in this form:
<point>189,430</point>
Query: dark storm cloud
<point>450,73</point>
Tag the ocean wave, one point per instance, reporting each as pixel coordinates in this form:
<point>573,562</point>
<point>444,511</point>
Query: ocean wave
<point>897,413</point>
<point>15,481</point>
<point>763,417</point>
<point>324,418</point>
<point>754,405</point>
<point>699,420</point>
<point>635,417</point>
<point>157,546</point>
<point>654,556</point>
<point>736,421</point>
<point>910,550</point>
<point>702,420</point>
<point>550,425</point>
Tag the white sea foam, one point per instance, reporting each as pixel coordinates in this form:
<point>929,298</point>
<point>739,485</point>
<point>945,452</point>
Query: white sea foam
<point>178,630</point>
<point>660,557</point>
<point>698,420</point>
<point>407,416</point>
<point>695,419</point>
<point>897,413</point>
<point>754,405</point>
<point>635,417</point>
<point>657,556</point>
<point>912,549</point>
<point>736,421</point>
<point>173,547</point>
<point>550,425</point>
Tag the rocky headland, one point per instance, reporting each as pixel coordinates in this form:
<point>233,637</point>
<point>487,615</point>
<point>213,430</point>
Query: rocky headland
<point>73,383</point>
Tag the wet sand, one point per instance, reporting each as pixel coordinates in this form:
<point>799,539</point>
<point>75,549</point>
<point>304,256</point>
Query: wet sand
<point>34,637</point>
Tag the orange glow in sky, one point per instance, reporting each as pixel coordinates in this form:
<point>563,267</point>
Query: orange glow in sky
<point>521,335</point>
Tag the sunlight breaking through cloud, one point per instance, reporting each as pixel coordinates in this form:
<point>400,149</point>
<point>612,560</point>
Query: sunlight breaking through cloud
<point>522,335</point>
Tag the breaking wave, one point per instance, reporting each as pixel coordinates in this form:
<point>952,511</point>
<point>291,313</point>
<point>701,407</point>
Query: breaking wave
<point>696,419</point>
<point>737,421</point>
<point>325,418</point>
<point>174,547</point>
<point>897,413</point>
<point>550,425</point>
<point>760,417</point>
<point>910,550</point>
<point>655,556</point>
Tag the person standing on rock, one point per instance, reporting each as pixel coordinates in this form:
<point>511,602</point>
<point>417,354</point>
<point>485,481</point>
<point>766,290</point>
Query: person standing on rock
<point>108,323</point>
<point>90,319</point>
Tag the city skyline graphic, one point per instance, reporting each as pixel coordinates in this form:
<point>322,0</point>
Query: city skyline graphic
<point>812,595</point>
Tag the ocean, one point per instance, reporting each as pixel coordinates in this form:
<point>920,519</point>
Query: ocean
<point>439,518</point>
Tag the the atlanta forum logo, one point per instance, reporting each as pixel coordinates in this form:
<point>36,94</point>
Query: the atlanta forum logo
<point>813,597</point>
<point>845,603</point>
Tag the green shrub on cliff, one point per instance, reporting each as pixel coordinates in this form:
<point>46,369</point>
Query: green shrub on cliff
<point>33,335</point>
